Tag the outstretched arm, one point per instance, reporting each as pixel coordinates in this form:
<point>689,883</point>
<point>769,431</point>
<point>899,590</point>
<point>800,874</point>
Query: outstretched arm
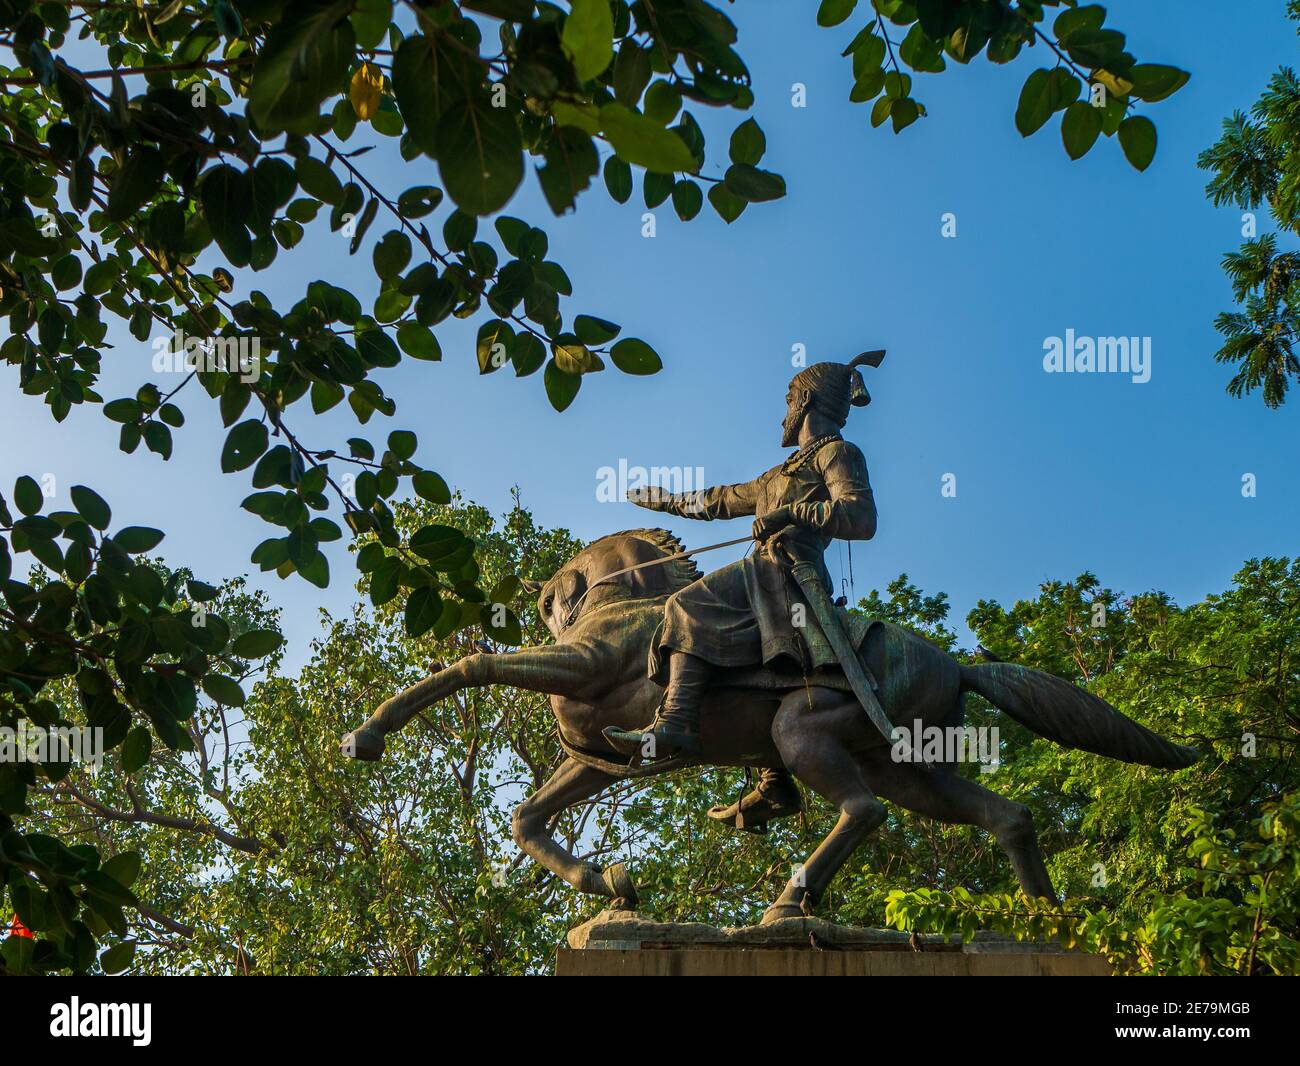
<point>724,501</point>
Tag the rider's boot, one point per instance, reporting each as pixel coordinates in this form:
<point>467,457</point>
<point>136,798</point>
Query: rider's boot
<point>776,796</point>
<point>676,728</point>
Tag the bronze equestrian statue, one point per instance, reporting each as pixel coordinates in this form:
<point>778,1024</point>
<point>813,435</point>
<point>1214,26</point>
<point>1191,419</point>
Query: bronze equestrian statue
<point>743,671</point>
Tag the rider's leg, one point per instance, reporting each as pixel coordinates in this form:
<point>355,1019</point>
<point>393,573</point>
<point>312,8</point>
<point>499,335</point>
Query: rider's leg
<point>677,725</point>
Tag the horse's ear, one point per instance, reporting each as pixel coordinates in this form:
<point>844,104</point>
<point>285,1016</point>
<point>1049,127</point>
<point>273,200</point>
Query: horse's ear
<point>530,586</point>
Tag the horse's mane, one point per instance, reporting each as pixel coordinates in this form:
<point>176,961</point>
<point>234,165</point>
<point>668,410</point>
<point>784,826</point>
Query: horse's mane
<point>678,574</point>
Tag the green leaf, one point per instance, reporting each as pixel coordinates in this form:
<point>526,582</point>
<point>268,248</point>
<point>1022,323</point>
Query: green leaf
<point>662,102</point>
<point>136,749</point>
<point>1080,128</point>
<point>423,606</point>
<point>904,113</point>
<point>643,142</point>
<point>244,446</point>
<point>509,631</point>
<point>370,20</point>
<point>136,539</point>
<point>687,199</point>
<point>833,12</point>
<point>594,331</point>
<point>1037,102</point>
<point>392,253</point>
<point>1093,48</point>
<point>588,37</point>
<point>200,591</point>
<point>527,355</point>
<point>402,443</point>
<point>256,644</point>
<point>118,957</point>
<point>571,163</point>
<point>430,486</point>
<point>1089,17</point>
<point>618,179</point>
<point>748,143</point>
<point>224,690</point>
<point>1137,136</point>
<point>631,72</point>
<point>226,196</point>
<point>136,183</point>
<point>28,495</point>
<point>124,867</point>
<point>418,341</point>
<point>634,356</point>
<point>304,60</point>
<point>420,94</point>
<point>1153,82</point>
<point>561,388</point>
<point>726,203</point>
<point>419,200</point>
<point>492,346</point>
<point>91,506</point>
<point>752,185</point>
<point>480,155</point>
<point>377,348</point>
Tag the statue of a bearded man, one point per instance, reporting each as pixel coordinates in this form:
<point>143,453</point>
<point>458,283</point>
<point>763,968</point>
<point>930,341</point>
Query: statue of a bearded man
<point>744,614</point>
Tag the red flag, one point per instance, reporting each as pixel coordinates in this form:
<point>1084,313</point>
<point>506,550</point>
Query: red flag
<point>18,929</point>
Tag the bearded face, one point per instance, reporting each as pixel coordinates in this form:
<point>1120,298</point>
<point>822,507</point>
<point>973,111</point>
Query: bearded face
<point>796,406</point>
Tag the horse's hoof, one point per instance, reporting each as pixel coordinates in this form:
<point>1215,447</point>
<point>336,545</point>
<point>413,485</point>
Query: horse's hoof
<point>778,912</point>
<point>620,884</point>
<point>364,743</point>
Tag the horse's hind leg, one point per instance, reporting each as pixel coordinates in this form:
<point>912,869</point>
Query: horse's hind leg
<point>807,732</point>
<point>571,783</point>
<point>943,794</point>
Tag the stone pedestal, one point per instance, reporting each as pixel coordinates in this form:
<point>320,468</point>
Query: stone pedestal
<point>620,944</point>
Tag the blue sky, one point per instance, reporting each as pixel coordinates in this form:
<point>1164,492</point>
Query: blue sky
<point>1055,474</point>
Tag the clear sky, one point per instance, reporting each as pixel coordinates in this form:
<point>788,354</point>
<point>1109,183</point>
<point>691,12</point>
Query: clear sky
<point>1055,474</point>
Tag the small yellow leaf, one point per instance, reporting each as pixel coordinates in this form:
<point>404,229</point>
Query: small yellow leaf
<point>367,86</point>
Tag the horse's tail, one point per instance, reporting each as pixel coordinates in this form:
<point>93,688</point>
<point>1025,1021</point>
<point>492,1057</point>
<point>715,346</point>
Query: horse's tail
<point>1071,716</point>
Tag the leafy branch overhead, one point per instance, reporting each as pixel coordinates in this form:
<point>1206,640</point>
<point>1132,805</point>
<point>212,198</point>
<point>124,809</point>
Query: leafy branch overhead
<point>1083,51</point>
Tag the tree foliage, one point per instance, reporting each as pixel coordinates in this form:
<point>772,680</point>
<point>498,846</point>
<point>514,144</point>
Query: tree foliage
<point>156,159</point>
<point>1256,164</point>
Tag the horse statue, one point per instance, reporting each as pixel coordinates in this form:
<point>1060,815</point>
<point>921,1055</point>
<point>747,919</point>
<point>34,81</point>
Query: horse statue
<point>603,608</point>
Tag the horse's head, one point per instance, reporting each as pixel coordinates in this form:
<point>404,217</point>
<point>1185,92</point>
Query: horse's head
<point>592,576</point>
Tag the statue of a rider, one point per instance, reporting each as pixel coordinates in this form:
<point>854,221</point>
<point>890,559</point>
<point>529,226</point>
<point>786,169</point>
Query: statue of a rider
<point>744,614</point>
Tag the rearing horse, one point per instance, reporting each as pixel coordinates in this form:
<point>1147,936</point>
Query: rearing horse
<point>596,675</point>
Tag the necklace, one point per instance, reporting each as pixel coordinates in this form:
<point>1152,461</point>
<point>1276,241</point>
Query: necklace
<point>801,458</point>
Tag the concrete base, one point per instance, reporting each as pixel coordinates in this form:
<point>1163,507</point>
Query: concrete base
<point>619,944</point>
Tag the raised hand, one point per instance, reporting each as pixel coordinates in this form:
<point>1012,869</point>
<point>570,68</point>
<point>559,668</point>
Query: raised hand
<point>649,496</point>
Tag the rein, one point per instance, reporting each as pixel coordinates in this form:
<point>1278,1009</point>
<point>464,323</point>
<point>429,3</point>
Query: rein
<point>568,619</point>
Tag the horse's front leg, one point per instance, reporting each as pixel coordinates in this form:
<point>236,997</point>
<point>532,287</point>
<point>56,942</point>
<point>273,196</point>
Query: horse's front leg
<point>572,783</point>
<point>558,669</point>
